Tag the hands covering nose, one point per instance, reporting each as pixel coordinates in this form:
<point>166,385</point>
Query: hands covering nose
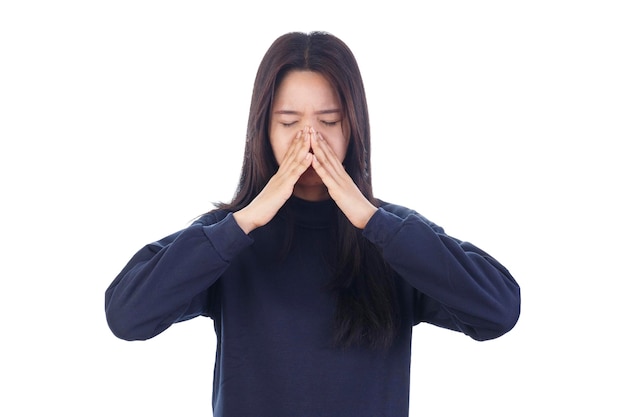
<point>340,185</point>
<point>308,149</point>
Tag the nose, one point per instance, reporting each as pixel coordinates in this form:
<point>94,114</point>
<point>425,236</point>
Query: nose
<point>308,128</point>
<point>311,125</point>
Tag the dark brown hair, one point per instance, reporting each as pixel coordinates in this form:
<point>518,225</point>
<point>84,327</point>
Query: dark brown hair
<point>363,283</point>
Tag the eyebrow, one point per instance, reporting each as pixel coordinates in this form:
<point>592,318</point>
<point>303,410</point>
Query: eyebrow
<point>293,112</point>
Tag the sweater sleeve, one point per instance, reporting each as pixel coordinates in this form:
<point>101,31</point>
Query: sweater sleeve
<point>168,280</point>
<point>458,286</point>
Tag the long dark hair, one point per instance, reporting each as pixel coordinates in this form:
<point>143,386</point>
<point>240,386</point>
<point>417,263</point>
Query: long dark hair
<point>366,311</point>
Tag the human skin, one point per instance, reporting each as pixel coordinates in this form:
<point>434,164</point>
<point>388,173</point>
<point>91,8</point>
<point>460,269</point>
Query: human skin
<point>309,139</point>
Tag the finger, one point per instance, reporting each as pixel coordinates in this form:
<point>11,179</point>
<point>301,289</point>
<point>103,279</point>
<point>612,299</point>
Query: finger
<point>292,150</point>
<point>329,178</point>
<point>298,159</point>
<point>296,151</point>
<point>325,156</point>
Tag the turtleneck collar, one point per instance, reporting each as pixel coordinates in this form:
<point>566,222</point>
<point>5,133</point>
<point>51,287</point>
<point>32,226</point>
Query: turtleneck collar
<point>312,214</point>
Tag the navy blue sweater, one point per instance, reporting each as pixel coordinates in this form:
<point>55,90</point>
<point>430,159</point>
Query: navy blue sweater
<point>273,314</point>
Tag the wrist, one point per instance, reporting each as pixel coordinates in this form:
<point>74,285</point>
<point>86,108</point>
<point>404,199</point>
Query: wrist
<point>243,221</point>
<point>365,216</point>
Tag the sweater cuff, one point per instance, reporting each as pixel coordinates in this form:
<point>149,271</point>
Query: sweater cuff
<point>382,227</point>
<point>227,237</point>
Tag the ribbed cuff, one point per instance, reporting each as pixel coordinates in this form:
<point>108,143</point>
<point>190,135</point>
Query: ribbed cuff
<point>382,227</point>
<point>227,237</point>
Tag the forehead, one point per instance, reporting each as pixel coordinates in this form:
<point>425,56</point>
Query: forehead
<point>305,89</point>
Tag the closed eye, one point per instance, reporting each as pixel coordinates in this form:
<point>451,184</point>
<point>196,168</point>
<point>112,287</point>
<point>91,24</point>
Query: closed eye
<point>326,123</point>
<point>288,124</point>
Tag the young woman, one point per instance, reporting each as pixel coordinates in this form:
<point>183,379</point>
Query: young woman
<point>313,284</point>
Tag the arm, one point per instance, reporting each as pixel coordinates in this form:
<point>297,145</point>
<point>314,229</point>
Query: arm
<point>170,280</point>
<point>457,285</point>
<point>167,281</point>
<point>463,287</point>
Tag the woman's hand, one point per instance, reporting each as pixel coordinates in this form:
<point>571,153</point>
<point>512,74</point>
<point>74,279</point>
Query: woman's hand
<point>279,188</point>
<point>340,185</point>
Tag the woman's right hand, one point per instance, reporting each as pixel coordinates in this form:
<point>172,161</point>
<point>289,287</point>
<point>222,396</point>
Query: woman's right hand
<point>280,187</point>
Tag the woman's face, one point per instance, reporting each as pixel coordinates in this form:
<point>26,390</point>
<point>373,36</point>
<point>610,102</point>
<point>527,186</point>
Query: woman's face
<point>306,98</point>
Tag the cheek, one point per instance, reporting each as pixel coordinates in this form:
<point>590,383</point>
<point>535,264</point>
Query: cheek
<point>339,145</point>
<point>279,146</point>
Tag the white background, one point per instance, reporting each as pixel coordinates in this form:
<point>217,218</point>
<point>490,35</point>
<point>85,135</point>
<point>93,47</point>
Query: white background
<point>502,121</point>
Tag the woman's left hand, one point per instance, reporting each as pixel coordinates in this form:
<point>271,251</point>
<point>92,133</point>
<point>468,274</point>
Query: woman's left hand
<point>340,185</point>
